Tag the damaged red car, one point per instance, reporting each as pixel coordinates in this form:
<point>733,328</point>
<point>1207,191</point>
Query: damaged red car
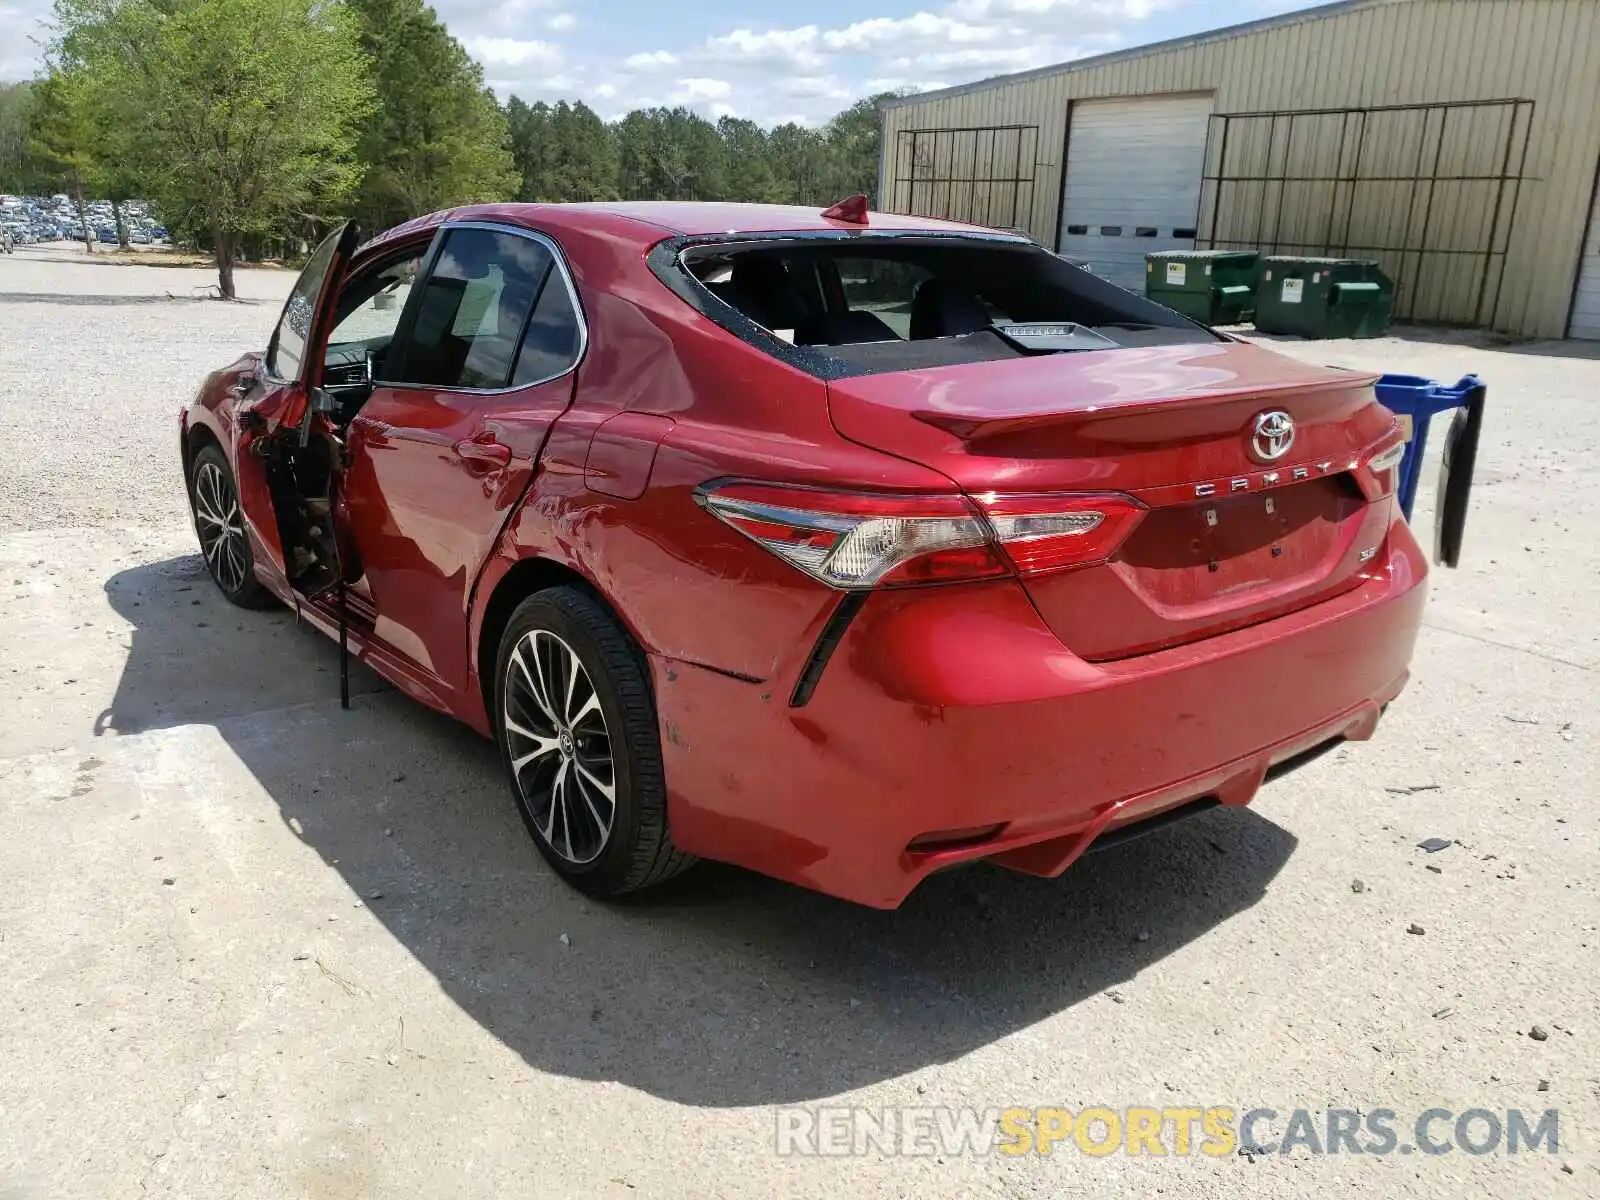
<point>845,547</point>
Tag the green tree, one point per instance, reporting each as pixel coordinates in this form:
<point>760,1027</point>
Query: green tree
<point>233,116</point>
<point>562,152</point>
<point>800,164</point>
<point>636,170</point>
<point>64,141</point>
<point>852,138</point>
<point>670,154</point>
<point>438,138</point>
<point>18,163</point>
<point>750,169</point>
<point>584,163</point>
<point>528,128</point>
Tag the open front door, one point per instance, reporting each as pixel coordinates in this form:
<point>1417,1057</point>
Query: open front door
<point>288,453</point>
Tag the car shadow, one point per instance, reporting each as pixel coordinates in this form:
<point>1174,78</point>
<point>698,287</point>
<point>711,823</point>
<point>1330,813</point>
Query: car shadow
<point>721,988</point>
<point>88,300</point>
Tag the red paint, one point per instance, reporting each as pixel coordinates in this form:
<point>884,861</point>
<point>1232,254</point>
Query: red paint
<point>622,452</point>
<point>852,210</point>
<point>1054,704</point>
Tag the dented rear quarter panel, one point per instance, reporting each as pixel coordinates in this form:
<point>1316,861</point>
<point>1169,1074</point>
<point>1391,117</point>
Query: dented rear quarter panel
<point>693,403</point>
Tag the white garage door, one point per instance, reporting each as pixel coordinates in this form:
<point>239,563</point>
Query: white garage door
<point>1586,304</point>
<point>1133,182</point>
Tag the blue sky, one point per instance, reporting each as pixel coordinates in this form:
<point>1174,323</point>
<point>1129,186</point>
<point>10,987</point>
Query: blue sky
<point>767,61</point>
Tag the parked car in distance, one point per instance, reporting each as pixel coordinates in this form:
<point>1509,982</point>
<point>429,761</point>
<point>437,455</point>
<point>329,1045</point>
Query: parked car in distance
<point>842,546</point>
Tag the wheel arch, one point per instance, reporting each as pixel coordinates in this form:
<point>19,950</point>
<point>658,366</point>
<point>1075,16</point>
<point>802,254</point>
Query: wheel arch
<point>196,438</point>
<point>523,578</point>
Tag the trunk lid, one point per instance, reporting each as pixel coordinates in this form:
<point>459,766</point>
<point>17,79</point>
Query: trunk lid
<point>1229,539</point>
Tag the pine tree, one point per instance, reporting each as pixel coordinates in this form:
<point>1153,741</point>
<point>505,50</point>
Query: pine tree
<point>439,138</point>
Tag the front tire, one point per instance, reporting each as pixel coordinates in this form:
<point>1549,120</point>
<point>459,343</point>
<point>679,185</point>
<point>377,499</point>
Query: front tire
<point>219,523</point>
<point>577,732</point>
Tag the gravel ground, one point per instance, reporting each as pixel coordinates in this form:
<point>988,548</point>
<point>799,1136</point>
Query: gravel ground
<point>121,349</point>
<point>258,947</point>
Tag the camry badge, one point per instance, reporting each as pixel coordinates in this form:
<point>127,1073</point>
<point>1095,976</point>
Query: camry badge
<point>1273,435</point>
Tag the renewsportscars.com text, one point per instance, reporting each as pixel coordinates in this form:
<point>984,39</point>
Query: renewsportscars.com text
<point>1213,1130</point>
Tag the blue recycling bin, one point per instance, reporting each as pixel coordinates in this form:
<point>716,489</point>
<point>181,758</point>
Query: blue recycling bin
<point>1416,401</point>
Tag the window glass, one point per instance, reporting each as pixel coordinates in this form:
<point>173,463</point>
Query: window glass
<point>370,305</point>
<point>287,350</point>
<point>553,339</point>
<point>472,310</point>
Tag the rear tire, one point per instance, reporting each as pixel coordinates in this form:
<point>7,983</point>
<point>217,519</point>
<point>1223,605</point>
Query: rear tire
<point>576,725</point>
<point>219,523</point>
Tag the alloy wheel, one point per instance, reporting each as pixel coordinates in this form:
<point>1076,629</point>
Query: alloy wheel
<point>559,747</point>
<point>221,528</point>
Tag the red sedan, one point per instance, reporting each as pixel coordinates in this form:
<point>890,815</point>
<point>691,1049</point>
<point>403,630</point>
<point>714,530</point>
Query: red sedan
<point>843,547</point>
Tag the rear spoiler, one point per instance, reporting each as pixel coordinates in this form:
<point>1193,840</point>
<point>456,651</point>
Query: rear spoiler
<point>977,429</point>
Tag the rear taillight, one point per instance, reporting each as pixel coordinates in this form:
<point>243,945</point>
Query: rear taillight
<point>1385,466</point>
<point>860,540</point>
<point>852,540</point>
<point>1050,533</point>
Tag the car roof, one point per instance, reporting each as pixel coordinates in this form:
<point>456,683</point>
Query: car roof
<point>649,221</point>
<point>694,218</point>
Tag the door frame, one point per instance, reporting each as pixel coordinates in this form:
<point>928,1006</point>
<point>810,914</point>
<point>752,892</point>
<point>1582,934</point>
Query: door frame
<point>263,475</point>
<point>1591,227</point>
<point>394,663</point>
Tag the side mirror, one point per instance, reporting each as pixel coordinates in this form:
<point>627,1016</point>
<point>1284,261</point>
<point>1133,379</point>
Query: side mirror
<point>318,401</point>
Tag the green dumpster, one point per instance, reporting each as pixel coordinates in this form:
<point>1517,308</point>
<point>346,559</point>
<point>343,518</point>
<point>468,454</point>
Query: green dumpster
<point>1214,287</point>
<point>1323,297</point>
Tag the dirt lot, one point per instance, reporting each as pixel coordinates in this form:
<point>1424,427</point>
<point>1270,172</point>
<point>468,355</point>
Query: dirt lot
<point>254,946</point>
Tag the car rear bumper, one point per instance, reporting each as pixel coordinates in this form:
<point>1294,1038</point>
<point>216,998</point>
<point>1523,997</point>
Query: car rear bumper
<point>955,714</point>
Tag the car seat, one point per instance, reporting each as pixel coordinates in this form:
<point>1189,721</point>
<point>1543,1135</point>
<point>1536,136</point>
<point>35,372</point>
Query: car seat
<point>943,309</point>
<point>760,287</point>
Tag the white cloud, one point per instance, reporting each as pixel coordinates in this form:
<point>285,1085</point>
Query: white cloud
<point>468,17</point>
<point>797,46</point>
<point>902,83</point>
<point>513,52</point>
<point>878,30</point>
<point>805,71</point>
<point>769,68</point>
<point>551,87</point>
<point>1129,10</point>
<point>650,59</point>
<point>988,58</point>
<point>820,86</point>
<point>704,89</point>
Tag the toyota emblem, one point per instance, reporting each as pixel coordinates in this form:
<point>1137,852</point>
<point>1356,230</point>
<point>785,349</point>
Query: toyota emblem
<point>1273,435</point>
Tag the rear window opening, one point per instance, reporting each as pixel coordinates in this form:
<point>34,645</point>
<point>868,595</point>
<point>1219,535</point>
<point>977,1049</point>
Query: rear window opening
<point>863,305</point>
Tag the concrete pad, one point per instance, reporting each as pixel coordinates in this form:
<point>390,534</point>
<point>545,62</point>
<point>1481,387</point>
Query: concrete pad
<point>256,946</point>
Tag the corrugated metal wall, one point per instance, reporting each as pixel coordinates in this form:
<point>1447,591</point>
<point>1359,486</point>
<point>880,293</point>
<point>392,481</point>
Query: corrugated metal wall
<point>1428,192</point>
<point>1388,52</point>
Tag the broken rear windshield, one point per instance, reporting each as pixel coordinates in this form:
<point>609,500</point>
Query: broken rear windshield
<point>840,305</point>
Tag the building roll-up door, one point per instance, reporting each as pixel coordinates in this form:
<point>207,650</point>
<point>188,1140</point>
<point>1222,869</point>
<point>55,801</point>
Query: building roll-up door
<point>1586,301</point>
<point>1133,181</point>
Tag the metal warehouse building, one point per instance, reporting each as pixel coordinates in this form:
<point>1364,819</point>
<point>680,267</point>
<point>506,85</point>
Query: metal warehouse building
<point>1455,141</point>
